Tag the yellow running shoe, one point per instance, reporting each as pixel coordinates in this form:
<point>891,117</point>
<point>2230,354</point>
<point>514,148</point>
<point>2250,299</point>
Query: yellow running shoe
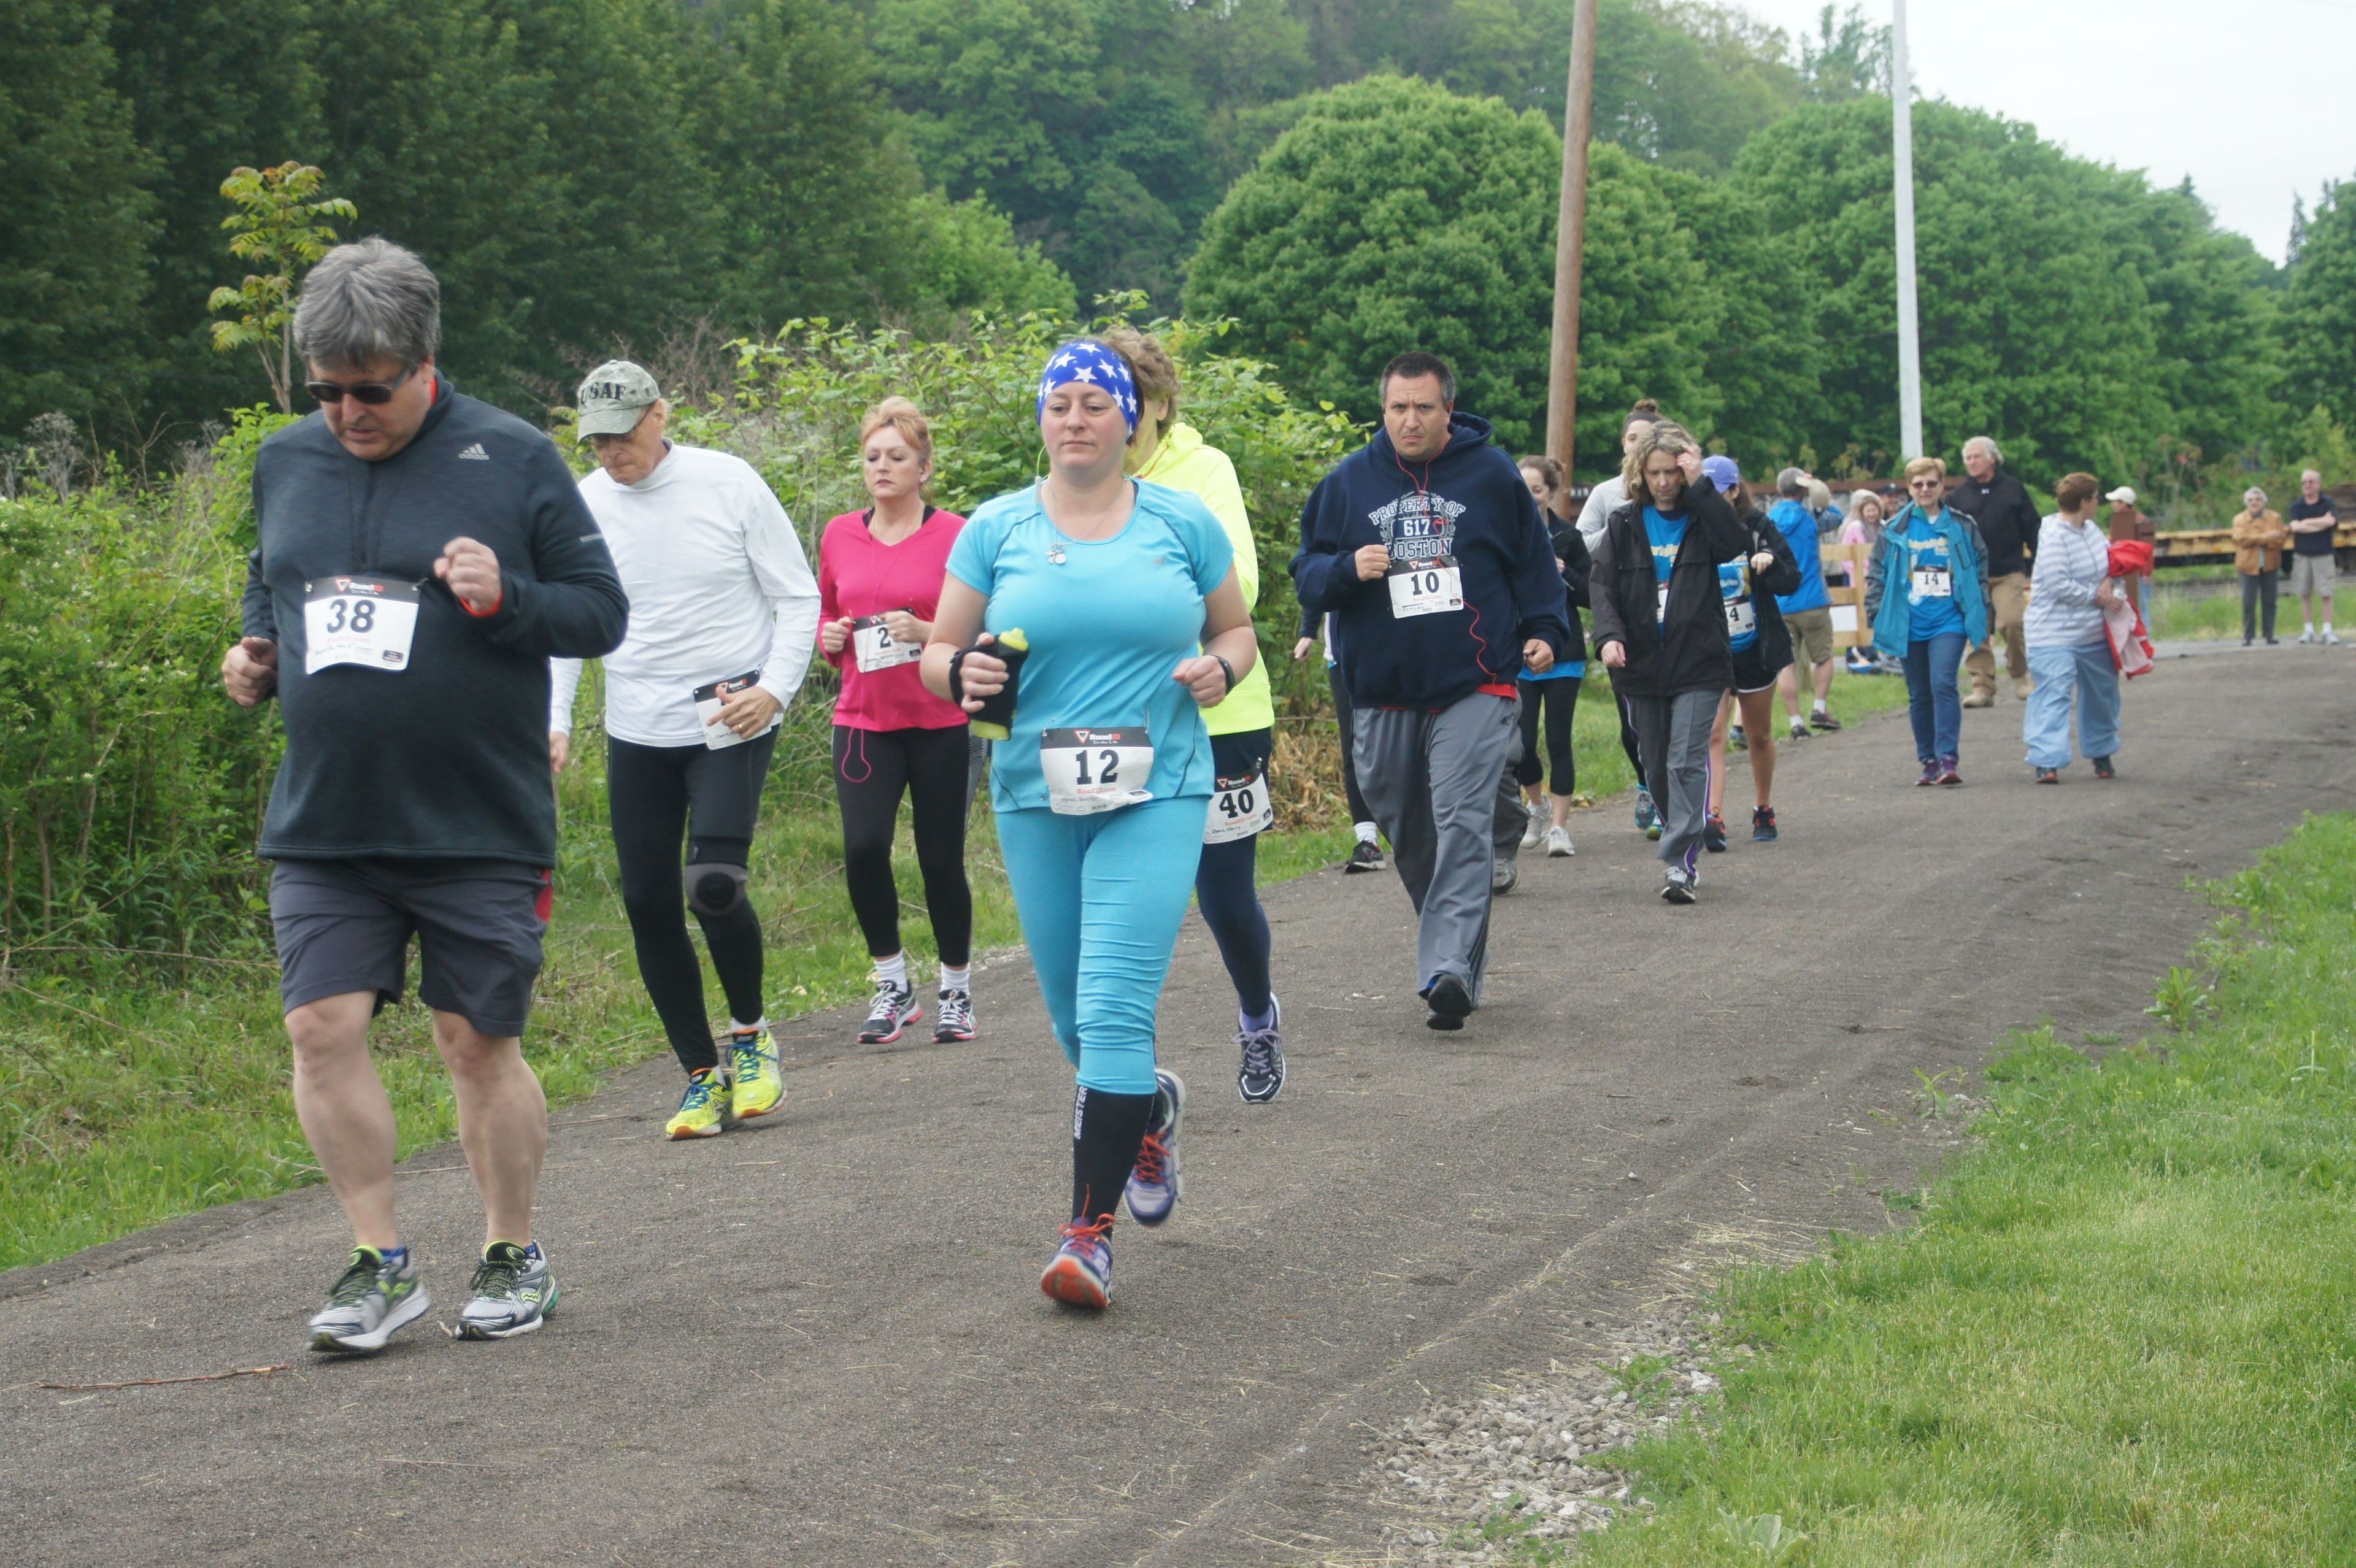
<point>760,1085</point>
<point>703,1110</point>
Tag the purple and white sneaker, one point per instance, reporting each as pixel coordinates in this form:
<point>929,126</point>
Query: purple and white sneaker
<point>1157,1182</point>
<point>1080,1274</point>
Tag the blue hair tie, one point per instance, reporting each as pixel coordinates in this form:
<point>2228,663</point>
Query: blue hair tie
<point>1093,363</point>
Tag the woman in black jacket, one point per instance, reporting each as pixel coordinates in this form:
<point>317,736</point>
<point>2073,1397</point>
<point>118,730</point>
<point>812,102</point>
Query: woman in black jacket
<point>1761,648</point>
<point>1553,697</point>
<point>1660,628</point>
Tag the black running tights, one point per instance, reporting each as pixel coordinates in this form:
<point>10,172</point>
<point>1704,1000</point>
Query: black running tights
<point>1558,771</point>
<point>1628,739</point>
<point>873,768</point>
<point>654,794</point>
<point>1224,888</point>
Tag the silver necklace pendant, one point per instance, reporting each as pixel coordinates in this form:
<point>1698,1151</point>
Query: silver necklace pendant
<point>1055,554</point>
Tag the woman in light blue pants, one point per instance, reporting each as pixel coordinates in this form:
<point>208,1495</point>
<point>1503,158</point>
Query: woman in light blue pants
<point>2068,651</point>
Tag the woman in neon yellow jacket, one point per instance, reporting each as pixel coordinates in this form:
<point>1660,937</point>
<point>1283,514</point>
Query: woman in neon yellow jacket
<point>1169,451</point>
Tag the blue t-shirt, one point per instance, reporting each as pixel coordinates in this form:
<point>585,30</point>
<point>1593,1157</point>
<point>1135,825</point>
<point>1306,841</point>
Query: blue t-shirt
<point>1932,610</point>
<point>1741,614</point>
<point>1564,669</point>
<point>1106,625</point>
<point>1665,532</point>
<point>1799,529</point>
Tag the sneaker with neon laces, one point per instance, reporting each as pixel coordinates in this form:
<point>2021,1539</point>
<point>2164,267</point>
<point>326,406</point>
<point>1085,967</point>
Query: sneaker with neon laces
<point>1080,1274</point>
<point>1158,1182</point>
<point>705,1110</point>
<point>1259,1076</point>
<point>892,1010</point>
<point>759,1082</point>
<point>514,1293</point>
<point>953,1016</point>
<point>370,1299</point>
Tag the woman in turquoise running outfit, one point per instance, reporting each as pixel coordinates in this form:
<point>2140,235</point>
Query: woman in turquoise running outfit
<point>1132,622</point>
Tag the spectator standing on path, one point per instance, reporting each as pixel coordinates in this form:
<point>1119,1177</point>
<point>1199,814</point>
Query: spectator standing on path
<point>1761,649</point>
<point>722,614</point>
<point>2258,540</point>
<point>1806,612</point>
<point>1317,633</point>
<point>2314,523</point>
<point>1925,598</point>
<point>2069,650</point>
<point>420,558</point>
<point>1428,551</point>
<point>1992,496</point>
<point>1661,629</point>
<point>879,577</point>
<point>2130,525</point>
<point>1551,701</point>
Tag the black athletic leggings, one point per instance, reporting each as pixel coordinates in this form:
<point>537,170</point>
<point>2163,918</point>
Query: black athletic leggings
<point>873,768</point>
<point>1358,811</point>
<point>655,794</point>
<point>1628,739</point>
<point>1224,888</point>
<point>1560,697</point>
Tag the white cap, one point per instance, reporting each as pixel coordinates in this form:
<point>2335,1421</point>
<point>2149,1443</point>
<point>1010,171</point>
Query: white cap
<point>2125,493</point>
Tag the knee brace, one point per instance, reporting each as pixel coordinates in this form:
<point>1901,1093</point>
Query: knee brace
<point>714,887</point>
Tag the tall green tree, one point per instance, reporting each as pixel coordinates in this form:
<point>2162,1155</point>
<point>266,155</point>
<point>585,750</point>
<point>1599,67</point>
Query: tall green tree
<point>75,250</point>
<point>2319,318</point>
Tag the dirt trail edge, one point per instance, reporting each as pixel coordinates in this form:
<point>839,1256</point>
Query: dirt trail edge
<point>819,1341</point>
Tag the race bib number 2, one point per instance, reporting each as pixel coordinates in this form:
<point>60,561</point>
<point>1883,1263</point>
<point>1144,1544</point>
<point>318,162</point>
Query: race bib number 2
<point>1239,809</point>
<point>877,650</point>
<point>1430,587</point>
<point>358,619</point>
<point>1090,771</point>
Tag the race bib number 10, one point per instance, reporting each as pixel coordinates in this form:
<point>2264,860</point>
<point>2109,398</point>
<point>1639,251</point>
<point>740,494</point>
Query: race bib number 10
<point>1088,771</point>
<point>1239,809</point>
<point>877,648</point>
<point>358,619</point>
<point>1425,587</point>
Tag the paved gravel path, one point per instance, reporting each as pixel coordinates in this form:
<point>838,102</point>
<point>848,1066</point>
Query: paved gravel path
<point>818,1341</point>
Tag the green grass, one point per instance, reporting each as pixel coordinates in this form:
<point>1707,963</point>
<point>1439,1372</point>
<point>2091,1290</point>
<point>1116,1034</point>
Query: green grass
<point>2122,1331</point>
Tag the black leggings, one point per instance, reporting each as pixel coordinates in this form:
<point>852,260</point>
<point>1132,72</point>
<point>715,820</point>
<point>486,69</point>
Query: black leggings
<point>1560,698</point>
<point>1225,881</point>
<point>1358,811</point>
<point>873,768</point>
<point>655,794</point>
<point>1628,739</point>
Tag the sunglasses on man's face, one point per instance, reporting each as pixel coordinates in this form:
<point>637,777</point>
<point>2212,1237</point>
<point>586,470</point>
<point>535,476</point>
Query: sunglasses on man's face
<point>375,394</point>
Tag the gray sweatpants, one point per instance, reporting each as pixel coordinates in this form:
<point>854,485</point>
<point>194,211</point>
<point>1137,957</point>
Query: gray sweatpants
<point>1431,781</point>
<point>1672,737</point>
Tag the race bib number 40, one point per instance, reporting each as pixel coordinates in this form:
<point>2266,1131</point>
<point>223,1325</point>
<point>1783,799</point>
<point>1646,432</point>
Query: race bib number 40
<point>1425,587</point>
<point>872,641</point>
<point>1239,809</point>
<point>1088,771</point>
<point>358,619</point>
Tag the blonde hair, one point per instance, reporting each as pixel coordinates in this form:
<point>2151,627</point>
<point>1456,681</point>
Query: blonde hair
<point>1921,465</point>
<point>1661,435</point>
<point>1150,367</point>
<point>906,418</point>
<point>1862,496</point>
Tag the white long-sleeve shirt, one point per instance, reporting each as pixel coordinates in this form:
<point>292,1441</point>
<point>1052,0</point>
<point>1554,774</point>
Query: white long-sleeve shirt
<point>1601,503</point>
<point>718,585</point>
<point>2071,561</point>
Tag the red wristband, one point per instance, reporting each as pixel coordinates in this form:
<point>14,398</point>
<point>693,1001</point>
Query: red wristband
<point>495,603</point>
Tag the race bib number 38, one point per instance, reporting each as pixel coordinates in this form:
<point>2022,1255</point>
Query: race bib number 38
<point>1239,809</point>
<point>1425,587</point>
<point>1088,771</point>
<point>358,619</point>
<point>877,648</point>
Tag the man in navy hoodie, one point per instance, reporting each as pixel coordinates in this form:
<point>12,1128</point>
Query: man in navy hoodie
<point>1429,553</point>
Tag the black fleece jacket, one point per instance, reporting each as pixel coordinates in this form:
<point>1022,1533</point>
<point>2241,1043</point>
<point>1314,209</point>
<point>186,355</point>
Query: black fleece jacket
<point>447,757</point>
<point>1694,654</point>
<point>1570,549</point>
<point>2008,519</point>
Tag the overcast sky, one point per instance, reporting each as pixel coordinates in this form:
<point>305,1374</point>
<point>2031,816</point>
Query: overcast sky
<point>2249,97</point>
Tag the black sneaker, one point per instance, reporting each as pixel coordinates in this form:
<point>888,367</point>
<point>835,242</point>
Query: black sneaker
<point>953,1018</point>
<point>2103,769</point>
<point>1450,1002</point>
<point>2049,775</point>
<point>1820,719</point>
<point>1259,1077</point>
<point>1799,731</point>
<point>1763,825</point>
<point>1366,856</point>
<point>1713,833</point>
<point>892,1010</point>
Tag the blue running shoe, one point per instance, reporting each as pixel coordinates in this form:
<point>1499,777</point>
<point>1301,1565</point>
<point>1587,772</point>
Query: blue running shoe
<point>1647,819</point>
<point>1081,1272</point>
<point>1157,1183</point>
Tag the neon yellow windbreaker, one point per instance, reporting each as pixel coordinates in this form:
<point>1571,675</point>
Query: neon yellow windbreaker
<point>1184,463</point>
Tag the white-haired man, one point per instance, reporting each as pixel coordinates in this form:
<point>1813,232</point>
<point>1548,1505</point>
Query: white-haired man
<point>2314,522</point>
<point>1991,497</point>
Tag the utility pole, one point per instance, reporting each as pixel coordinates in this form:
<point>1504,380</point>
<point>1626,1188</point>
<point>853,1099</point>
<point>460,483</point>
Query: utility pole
<point>1570,239</point>
<point>1910,340</point>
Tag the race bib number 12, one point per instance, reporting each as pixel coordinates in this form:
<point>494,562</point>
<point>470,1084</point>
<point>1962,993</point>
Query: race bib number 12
<point>1239,809</point>
<point>1088,771</point>
<point>358,619</point>
<point>1429,587</point>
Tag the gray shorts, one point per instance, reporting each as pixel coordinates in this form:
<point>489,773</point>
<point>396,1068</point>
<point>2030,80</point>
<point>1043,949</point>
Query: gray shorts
<point>344,926</point>
<point>2313,574</point>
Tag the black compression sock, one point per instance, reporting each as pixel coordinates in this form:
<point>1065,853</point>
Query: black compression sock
<point>1105,1131</point>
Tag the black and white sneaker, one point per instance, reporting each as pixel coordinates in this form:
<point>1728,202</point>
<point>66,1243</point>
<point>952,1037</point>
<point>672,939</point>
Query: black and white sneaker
<point>514,1293</point>
<point>1366,856</point>
<point>1678,886</point>
<point>370,1300</point>
<point>892,1010</point>
<point>952,1018</point>
<point>1259,1078</point>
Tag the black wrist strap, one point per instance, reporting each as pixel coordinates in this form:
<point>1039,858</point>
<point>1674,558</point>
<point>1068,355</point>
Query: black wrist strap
<point>1230,670</point>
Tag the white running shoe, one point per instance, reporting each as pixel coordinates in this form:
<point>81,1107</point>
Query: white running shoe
<point>2330,637</point>
<point>1534,831</point>
<point>1558,843</point>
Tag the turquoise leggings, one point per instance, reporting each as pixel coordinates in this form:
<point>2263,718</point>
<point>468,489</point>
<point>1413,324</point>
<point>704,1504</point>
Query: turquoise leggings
<point>1101,900</point>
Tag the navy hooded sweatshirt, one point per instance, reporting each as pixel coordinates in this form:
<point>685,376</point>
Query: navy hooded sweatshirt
<point>1468,504</point>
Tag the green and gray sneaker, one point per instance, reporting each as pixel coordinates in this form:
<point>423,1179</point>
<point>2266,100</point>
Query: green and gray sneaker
<point>514,1293</point>
<point>370,1299</point>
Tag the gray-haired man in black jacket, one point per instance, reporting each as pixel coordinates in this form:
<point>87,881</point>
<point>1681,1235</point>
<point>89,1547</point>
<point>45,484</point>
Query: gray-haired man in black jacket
<point>420,557</point>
